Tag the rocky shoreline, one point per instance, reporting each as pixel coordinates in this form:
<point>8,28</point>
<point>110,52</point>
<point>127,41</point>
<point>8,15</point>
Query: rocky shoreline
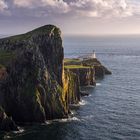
<point>36,82</point>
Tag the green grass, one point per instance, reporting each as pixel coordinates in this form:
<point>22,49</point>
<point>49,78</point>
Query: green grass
<point>75,61</point>
<point>71,60</point>
<point>5,57</point>
<point>47,29</point>
<point>75,67</point>
<point>1,66</point>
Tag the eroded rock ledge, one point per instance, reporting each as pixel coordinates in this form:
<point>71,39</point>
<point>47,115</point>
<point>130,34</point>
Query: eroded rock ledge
<point>87,70</point>
<point>34,86</point>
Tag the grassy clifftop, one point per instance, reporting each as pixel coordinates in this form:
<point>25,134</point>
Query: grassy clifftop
<point>6,57</point>
<point>46,30</point>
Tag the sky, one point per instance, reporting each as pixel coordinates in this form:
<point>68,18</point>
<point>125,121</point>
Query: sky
<point>73,17</point>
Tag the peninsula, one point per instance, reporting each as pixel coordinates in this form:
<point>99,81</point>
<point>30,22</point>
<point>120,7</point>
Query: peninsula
<point>36,82</point>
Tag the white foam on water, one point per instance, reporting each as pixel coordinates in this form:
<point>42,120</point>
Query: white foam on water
<point>21,130</point>
<point>48,122</point>
<point>98,84</point>
<point>87,96</point>
<point>73,112</point>
<point>88,117</point>
<point>69,119</point>
<point>82,102</point>
<point>7,137</point>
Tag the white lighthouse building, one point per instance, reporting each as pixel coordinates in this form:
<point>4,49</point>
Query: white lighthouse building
<point>93,54</point>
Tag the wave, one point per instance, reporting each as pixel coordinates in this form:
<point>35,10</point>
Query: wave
<point>73,112</point>
<point>21,130</point>
<point>88,96</point>
<point>7,137</point>
<point>69,119</point>
<point>82,102</point>
<point>88,117</point>
<point>98,84</point>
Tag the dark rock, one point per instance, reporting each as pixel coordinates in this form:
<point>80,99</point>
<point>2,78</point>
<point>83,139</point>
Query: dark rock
<point>83,93</point>
<point>100,70</point>
<point>33,88</point>
<point>71,87</point>
<point>85,75</point>
<point>6,123</point>
<point>107,72</point>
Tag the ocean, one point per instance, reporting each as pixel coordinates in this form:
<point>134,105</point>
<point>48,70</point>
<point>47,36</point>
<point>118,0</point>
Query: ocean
<point>112,110</point>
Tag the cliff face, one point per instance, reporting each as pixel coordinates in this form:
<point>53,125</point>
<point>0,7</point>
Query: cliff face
<point>31,90</point>
<point>6,123</point>
<point>100,70</point>
<point>71,87</point>
<point>86,76</point>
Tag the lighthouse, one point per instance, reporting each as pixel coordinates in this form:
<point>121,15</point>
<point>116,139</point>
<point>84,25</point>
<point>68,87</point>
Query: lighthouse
<point>93,54</point>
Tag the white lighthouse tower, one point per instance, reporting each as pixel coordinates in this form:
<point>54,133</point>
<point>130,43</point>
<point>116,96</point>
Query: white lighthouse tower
<point>93,54</point>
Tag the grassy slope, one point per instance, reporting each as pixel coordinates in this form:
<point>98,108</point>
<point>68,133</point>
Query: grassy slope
<point>75,67</point>
<point>47,30</point>
<point>6,57</point>
<point>74,64</point>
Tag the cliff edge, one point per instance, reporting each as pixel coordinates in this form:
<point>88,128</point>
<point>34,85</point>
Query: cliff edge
<point>35,86</point>
<point>31,75</point>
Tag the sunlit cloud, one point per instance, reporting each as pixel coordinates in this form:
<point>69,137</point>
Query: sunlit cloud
<point>135,4</point>
<point>101,8</point>
<point>73,15</point>
<point>57,6</point>
<point>3,5</point>
<point>88,8</point>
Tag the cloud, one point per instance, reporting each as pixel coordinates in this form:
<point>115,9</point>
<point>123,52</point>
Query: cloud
<point>79,8</point>
<point>23,3</point>
<point>99,8</point>
<point>135,4</point>
<point>3,5</point>
<point>58,6</point>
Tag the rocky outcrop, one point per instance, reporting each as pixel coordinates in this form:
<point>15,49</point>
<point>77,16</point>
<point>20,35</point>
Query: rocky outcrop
<point>71,87</point>
<point>87,70</point>
<point>100,70</point>
<point>86,76</point>
<point>32,90</point>
<point>6,123</point>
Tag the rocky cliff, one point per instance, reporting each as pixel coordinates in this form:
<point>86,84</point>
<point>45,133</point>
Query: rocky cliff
<point>100,70</point>
<point>31,76</point>
<point>86,75</point>
<point>87,70</point>
<point>34,87</point>
<point>6,123</point>
<point>71,87</point>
